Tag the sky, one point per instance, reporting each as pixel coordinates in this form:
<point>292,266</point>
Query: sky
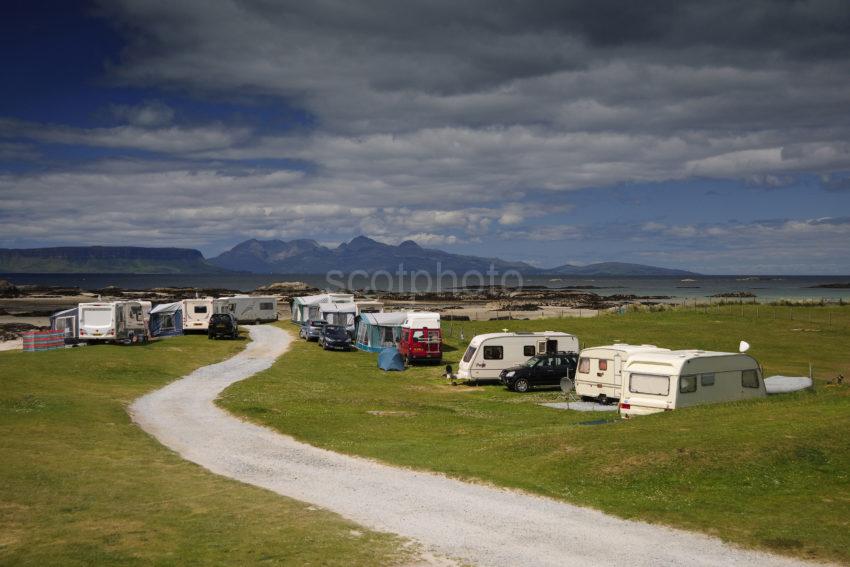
<point>709,136</point>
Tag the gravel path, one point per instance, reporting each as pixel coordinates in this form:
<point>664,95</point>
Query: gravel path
<point>473,523</point>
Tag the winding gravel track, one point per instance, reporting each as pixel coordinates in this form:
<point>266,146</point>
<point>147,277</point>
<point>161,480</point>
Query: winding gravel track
<point>473,523</point>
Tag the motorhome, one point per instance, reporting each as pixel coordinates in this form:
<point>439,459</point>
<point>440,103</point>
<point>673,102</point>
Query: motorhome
<point>421,337</point>
<point>248,308</point>
<point>306,307</point>
<point>487,355</point>
<point>125,321</point>
<point>599,375</point>
<point>196,314</point>
<point>662,381</point>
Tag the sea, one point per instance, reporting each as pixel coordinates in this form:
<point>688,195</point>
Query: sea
<point>697,287</point>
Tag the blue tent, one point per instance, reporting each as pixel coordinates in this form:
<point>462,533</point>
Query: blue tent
<point>390,359</point>
<point>167,320</point>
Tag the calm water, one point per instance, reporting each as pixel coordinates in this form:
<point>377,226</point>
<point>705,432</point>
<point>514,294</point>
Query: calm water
<point>766,288</point>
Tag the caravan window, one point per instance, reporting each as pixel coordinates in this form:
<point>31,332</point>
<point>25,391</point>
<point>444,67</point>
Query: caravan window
<point>688,384</point>
<point>96,316</point>
<point>467,356</point>
<point>266,306</point>
<point>749,379</point>
<point>200,309</point>
<point>649,384</point>
<point>494,352</point>
<point>584,365</point>
<point>603,365</point>
<point>528,350</point>
<point>707,379</point>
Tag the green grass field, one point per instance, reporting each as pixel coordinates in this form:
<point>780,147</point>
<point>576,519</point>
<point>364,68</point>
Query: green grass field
<point>770,474</point>
<point>81,485</point>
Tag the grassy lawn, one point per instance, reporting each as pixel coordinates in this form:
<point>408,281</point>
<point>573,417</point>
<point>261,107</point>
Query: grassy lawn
<point>81,485</point>
<point>770,474</point>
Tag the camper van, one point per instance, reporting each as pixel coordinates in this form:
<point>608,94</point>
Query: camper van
<point>599,375</point>
<point>125,321</point>
<point>421,338</point>
<point>196,314</point>
<point>487,355</point>
<point>662,381</point>
<point>248,308</point>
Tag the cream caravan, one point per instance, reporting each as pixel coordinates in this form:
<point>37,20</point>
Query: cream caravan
<point>662,381</point>
<point>196,314</point>
<point>599,375</point>
<point>125,321</point>
<point>487,355</point>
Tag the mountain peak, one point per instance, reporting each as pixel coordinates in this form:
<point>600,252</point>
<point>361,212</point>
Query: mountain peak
<point>409,245</point>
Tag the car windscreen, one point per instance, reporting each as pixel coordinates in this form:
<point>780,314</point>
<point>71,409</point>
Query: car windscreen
<point>219,318</point>
<point>336,333</point>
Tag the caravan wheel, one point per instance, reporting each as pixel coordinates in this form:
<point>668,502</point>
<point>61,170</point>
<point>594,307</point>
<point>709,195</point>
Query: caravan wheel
<point>602,399</point>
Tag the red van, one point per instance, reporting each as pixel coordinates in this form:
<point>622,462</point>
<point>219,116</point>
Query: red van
<point>421,338</point>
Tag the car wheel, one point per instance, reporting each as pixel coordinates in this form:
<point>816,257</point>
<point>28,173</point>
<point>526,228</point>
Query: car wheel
<point>521,385</point>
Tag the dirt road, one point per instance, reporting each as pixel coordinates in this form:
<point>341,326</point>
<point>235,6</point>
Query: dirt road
<point>476,524</point>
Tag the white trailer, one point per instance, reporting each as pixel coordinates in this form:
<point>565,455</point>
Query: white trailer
<point>599,375</point>
<point>487,355</point>
<point>124,321</point>
<point>197,313</point>
<point>662,381</point>
<point>248,308</point>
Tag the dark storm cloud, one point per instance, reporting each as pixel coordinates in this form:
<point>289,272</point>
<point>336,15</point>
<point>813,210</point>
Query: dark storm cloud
<point>457,121</point>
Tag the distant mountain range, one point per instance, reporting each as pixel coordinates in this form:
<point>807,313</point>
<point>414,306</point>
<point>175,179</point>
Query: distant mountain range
<point>309,257</point>
<point>293,257</point>
<point>104,260</point>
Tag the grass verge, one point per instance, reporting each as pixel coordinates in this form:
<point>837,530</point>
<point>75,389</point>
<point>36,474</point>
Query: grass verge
<point>81,485</point>
<point>769,474</point>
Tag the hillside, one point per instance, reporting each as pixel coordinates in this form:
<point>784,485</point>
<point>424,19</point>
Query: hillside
<point>615,269</point>
<point>105,259</point>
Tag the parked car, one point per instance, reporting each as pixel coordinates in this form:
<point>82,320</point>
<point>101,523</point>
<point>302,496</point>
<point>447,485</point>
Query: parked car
<point>311,330</point>
<point>222,325</point>
<point>540,370</point>
<point>334,337</point>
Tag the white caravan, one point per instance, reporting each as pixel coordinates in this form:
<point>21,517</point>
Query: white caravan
<point>600,370</point>
<point>248,308</point>
<point>196,314</point>
<point>489,354</point>
<point>662,381</point>
<point>114,321</point>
